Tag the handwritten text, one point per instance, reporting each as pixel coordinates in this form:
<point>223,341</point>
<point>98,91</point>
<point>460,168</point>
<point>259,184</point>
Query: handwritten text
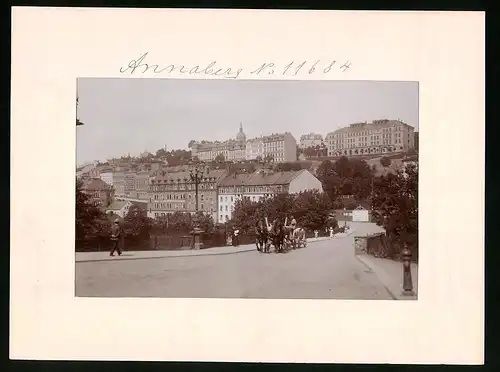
<point>291,69</point>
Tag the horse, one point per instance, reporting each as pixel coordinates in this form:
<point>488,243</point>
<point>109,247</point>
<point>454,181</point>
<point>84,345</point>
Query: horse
<point>277,235</point>
<point>261,237</point>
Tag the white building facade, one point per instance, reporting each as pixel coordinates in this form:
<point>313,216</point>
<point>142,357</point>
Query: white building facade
<point>310,140</point>
<point>254,149</point>
<point>260,185</point>
<point>281,147</point>
<point>378,137</point>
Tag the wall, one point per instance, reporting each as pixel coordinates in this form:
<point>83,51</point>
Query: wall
<point>290,148</point>
<point>305,181</point>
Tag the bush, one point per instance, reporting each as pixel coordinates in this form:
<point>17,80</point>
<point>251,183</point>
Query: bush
<point>385,161</point>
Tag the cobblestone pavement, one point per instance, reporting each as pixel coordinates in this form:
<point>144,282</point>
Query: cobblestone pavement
<point>325,269</point>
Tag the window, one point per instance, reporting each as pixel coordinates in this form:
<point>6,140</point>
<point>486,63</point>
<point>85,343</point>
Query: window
<point>226,208</point>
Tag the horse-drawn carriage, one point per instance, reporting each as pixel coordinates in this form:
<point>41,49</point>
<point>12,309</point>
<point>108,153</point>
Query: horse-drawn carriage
<point>282,237</point>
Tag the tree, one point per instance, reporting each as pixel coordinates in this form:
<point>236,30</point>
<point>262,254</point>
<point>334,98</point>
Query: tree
<point>220,158</point>
<point>395,206</point>
<point>345,177</point>
<point>385,161</point>
<point>161,153</point>
<point>86,214</point>
<point>288,166</point>
<point>246,214</point>
<point>137,223</point>
<point>191,143</point>
<point>311,209</point>
<point>205,222</point>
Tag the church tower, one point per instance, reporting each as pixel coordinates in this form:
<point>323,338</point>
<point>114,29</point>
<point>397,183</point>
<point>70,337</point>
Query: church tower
<point>241,137</point>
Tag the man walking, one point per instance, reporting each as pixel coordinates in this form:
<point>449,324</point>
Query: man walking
<point>115,238</point>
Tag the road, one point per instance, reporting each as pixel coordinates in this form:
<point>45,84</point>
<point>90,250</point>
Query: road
<point>323,270</point>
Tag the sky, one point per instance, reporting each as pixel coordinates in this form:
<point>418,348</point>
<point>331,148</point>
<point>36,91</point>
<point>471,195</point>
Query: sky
<point>123,116</point>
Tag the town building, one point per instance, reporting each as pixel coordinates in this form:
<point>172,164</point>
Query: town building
<point>87,172</point>
<point>171,192</point>
<point>100,193</point>
<point>142,184</point>
<point>119,208</point>
<point>230,150</point>
<point>116,178</point>
<point>129,183</point>
<point>280,147</point>
<point>254,149</point>
<point>259,185</point>
<point>310,140</point>
<point>379,137</point>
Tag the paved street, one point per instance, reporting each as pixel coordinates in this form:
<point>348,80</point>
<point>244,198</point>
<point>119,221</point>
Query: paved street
<point>324,270</point>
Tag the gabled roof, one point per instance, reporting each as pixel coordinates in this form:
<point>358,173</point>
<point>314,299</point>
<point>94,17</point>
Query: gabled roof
<point>96,184</point>
<point>182,175</point>
<point>118,204</point>
<point>260,178</point>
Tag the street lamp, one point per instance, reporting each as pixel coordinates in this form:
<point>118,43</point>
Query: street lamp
<point>407,279</point>
<point>196,174</point>
<point>345,218</point>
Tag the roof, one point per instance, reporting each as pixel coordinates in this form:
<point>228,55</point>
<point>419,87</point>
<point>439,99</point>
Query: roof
<point>374,125</point>
<point>96,184</point>
<point>185,175</point>
<point>118,204</point>
<point>311,136</point>
<point>260,178</point>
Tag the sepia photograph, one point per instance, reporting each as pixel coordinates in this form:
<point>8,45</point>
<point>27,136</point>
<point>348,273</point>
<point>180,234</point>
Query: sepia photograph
<point>263,189</point>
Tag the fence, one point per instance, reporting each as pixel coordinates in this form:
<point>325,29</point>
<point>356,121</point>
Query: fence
<point>381,246</point>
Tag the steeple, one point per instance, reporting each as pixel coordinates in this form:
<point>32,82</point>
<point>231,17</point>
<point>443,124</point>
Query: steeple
<point>241,137</point>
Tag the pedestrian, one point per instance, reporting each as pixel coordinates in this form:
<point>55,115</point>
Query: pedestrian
<point>236,237</point>
<point>115,238</point>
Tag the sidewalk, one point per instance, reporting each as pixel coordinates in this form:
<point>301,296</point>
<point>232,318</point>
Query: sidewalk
<point>390,273</point>
<point>138,255</point>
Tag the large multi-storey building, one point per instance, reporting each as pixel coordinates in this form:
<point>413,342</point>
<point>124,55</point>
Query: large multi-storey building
<point>280,147</point>
<point>310,140</point>
<point>142,184</point>
<point>129,183</point>
<point>231,150</point>
<point>259,185</point>
<point>378,137</point>
<point>116,178</point>
<point>171,192</point>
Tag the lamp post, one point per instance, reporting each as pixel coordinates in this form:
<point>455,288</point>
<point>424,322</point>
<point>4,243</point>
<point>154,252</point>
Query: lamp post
<point>407,279</point>
<point>345,218</point>
<point>196,175</point>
